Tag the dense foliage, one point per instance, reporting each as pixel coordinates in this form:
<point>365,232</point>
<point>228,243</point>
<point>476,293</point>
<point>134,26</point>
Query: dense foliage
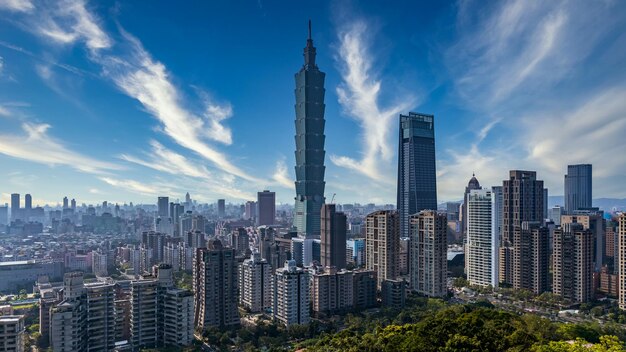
<point>434,327</point>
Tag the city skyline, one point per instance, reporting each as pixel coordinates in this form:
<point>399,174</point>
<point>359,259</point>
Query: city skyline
<point>171,120</point>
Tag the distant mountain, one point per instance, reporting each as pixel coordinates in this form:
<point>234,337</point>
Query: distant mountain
<point>606,204</point>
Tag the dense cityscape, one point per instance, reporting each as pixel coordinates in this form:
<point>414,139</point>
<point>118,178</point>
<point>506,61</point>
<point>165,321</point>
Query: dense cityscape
<point>509,266</point>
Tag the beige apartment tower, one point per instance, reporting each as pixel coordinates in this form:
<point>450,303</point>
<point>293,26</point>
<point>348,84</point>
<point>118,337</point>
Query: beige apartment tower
<point>429,247</point>
<point>382,242</point>
<point>621,267</point>
<point>572,263</point>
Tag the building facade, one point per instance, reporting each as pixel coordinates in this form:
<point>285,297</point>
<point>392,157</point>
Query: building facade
<point>417,182</point>
<point>12,333</point>
<point>255,284</point>
<point>382,242</point>
<point>522,196</point>
<point>429,248</point>
<point>333,237</point>
<point>266,204</point>
<point>578,188</point>
<point>482,243</point>
<point>291,296</point>
<point>310,140</point>
<point>572,263</point>
<point>621,260</point>
<point>216,286</point>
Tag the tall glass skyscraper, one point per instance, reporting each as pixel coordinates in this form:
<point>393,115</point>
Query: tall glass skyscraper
<point>309,144</point>
<point>417,183</point>
<point>577,188</point>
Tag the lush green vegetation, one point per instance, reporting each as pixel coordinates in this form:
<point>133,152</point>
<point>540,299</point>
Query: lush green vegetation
<point>432,326</point>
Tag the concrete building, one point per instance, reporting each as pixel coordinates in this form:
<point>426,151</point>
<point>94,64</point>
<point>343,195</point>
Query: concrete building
<point>417,181</point>
<point>15,206</point>
<point>578,188</point>
<point>163,207</point>
<point>572,263</point>
<point>216,286</point>
<point>85,319</point>
<point>393,293</point>
<point>241,241</point>
<point>522,196</point>
<point>100,263</point>
<point>555,214</point>
<point>333,237</point>
<point>291,296</point>
<point>530,257</point>
<point>266,207</point>
<point>482,244</point>
<point>358,250</point>
<point>16,275</point>
<point>332,291</point>
<point>364,287</point>
<point>382,242</point>
<point>429,264</point>
<point>621,260</point>
<point>12,333</point>
<point>594,221</point>
<point>255,284</point>
<point>250,212</point>
<point>161,315</point>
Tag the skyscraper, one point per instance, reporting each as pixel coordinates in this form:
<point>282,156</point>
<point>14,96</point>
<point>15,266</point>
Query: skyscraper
<point>429,247</point>
<point>333,237</point>
<point>572,263</point>
<point>309,144</point>
<point>482,244</point>
<point>266,201</point>
<point>382,243</point>
<point>28,202</point>
<point>65,203</point>
<point>594,221</point>
<point>221,208</point>
<point>471,185</point>
<point>15,206</point>
<point>162,207</point>
<point>522,196</point>
<point>578,192</point>
<point>530,256</point>
<point>215,286</point>
<point>417,183</point>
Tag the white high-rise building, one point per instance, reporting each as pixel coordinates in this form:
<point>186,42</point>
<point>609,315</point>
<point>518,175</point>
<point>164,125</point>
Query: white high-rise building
<point>255,284</point>
<point>482,244</point>
<point>291,297</point>
<point>100,263</point>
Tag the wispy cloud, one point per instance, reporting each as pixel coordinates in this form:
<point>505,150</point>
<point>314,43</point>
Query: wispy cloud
<point>70,21</point>
<point>527,63</point>
<point>359,95</point>
<point>17,5</point>
<point>36,145</point>
<point>134,186</point>
<point>281,175</point>
<point>165,160</point>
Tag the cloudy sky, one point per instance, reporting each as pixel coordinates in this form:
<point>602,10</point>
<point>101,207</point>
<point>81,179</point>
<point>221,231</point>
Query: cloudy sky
<point>125,101</point>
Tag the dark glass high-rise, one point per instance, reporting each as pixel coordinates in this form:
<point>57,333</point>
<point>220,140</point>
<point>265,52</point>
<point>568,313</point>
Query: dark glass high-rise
<point>417,183</point>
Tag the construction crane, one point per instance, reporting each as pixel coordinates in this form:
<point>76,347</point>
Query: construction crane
<point>333,198</point>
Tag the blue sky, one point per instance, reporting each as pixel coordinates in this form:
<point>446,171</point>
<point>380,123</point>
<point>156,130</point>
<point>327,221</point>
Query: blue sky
<point>125,101</point>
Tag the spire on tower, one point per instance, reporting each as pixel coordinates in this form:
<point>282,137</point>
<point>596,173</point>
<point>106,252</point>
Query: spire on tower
<point>309,51</point>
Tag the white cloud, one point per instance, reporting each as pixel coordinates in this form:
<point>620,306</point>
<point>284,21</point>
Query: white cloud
<point>17,5</point>
<point>359,95</point>
<point>165,160</point>
<point>37,146</point>
<point>71,21</point>
<point>134,186</point>
<point>281,175</point>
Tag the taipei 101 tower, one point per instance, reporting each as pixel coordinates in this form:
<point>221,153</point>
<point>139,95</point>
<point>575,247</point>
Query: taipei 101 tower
<point>309,144</point>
